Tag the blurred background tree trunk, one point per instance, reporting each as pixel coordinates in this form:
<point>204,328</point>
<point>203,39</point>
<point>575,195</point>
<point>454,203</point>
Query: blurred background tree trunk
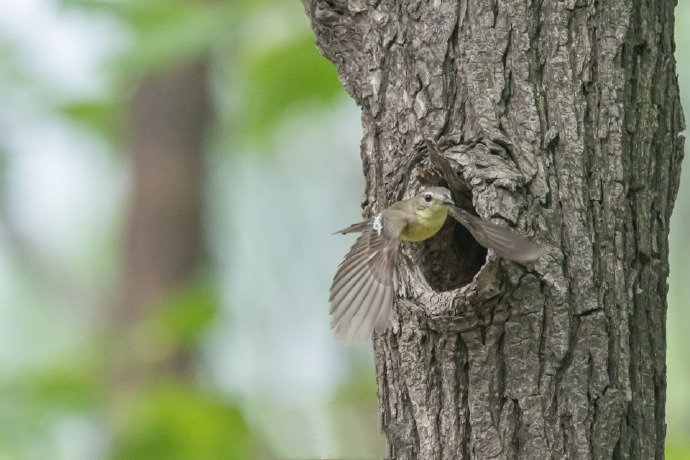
<point>164,247</point>
<point>563,118</point>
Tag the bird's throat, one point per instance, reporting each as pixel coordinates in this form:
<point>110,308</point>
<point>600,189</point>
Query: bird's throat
<point>427,223</point>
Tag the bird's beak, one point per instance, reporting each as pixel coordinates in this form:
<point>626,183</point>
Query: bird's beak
<point>449,201</point>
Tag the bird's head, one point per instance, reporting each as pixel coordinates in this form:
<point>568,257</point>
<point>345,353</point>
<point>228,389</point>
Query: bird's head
<point>434,197</point>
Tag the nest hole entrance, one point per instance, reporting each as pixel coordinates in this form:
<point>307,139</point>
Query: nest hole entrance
<point>451,258</point>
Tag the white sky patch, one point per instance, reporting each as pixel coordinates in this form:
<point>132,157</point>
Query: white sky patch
<point>60,182</point>
<point>63,182</point>
<point>63,49</point>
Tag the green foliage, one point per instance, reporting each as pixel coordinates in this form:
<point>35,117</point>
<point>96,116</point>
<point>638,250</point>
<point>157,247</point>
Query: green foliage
<point>268,77</point>
<point>360,389</point>
<point>282,78</point>
<point>354,409</point>
<point>35,399</point>
<point>173,419</point>
<point>69,384</point>
<point>176,324</point>
<point>169,33</point>
<point>173,422</point>
<point>677,450</point>
<point>183,316</point>
<point>166,33</point>
<point>104,117</point>
<point>271,74</point>
<point>163,419</point>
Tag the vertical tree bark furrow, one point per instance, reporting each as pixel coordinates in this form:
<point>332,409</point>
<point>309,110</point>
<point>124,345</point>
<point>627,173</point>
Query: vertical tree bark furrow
<point>563,119</point>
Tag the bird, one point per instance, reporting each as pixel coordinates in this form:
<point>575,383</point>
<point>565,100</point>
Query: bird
<point>363,288</point>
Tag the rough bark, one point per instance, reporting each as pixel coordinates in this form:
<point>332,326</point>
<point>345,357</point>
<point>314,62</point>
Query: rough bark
<point>563,120</point>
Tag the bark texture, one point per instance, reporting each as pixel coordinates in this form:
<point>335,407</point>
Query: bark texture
<point>562,119</point>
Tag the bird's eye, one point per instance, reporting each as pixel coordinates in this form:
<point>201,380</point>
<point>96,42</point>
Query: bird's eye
<point>427,197</point>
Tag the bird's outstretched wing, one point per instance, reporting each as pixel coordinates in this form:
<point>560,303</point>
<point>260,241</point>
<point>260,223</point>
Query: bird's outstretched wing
<point>364,285</point>
<point>358,227</point>
<point>504,241</point>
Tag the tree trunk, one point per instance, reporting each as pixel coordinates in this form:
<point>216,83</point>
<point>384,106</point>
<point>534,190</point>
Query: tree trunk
<point>164,247</point>
<point>563,120</point>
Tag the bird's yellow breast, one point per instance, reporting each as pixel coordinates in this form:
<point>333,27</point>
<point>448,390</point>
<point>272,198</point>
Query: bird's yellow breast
<point>425,224</point>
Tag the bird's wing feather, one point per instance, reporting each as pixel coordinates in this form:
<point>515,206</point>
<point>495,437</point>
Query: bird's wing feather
<point>364,285</point>
<point>358,227</point>
<point>502,240</point>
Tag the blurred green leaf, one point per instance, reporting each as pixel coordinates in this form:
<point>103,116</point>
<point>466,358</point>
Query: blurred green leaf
<point>174,33</point>
<point>136,9</point>
<point>360,389</point>
<point>354,410</point>
<point>179,320</point>
<point>173,422</point>
<point>34,400</point>
<point>166,32</point>
<point>190,311</point>
<point>74,387</point>
<point>274,73</point>
<point>677,449</point>
<point>73,383</point>
<point>277,80</point>
<point>103,117</point>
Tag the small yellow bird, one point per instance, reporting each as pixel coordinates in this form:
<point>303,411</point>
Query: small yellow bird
<point>365,283</point>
